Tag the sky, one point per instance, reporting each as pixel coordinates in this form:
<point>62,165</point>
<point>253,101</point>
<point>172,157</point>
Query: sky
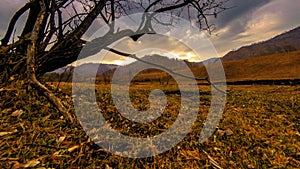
<point>249,21</point>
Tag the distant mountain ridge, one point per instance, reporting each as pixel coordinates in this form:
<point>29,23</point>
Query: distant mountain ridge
<point>286,42</point>
<point>88,68</point>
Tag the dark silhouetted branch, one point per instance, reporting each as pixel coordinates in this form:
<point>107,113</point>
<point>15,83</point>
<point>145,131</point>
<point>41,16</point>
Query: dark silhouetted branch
<point>13,22</point>
<point>163,68</point>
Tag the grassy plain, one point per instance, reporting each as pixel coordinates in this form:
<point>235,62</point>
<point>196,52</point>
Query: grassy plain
<point>260,128</point>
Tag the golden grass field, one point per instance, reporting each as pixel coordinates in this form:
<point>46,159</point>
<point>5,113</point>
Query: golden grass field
<point>281,66</point>
<point>260,128</point>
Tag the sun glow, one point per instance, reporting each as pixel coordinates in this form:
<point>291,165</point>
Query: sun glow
<point>190,56</point>
<point>171,55</point>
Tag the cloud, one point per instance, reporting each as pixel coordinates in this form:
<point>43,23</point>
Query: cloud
<point>256,24</point>
<point>239,10</point>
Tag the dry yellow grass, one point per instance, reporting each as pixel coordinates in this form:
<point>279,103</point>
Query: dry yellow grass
<point>261,126</point>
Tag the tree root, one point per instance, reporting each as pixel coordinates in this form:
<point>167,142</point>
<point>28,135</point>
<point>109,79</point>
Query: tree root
<point>31,67</point>
<point>52,98</point>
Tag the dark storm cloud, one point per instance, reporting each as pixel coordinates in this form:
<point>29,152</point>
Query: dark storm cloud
<point>254,21</point>
<point>237,17</point>
<point>239,9</point>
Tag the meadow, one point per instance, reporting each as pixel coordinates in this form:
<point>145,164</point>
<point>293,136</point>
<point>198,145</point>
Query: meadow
<point>260,128</point>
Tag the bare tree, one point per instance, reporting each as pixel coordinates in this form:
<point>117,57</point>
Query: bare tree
<point>52,34</point>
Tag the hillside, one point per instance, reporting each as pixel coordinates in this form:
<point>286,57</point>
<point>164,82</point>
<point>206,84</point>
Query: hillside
<point>281,66</point>
<point>284,66</point>
<point>275,66</point>
<point>286,42</point>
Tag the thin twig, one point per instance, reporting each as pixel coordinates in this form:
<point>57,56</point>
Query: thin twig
<point>211,160</point>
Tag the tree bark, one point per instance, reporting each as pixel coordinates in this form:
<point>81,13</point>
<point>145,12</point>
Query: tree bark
<point>31,66</point>
<point>32,17</point>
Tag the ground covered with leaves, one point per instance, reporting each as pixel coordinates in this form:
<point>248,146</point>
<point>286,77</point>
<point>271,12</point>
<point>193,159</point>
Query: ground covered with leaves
<point>260,128</point>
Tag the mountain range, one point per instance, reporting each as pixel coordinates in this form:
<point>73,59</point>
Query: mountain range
<point>286,42</point>
<point>276,58</point>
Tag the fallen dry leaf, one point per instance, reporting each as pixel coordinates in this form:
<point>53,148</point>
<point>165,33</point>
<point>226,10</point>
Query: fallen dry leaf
<point>32,163</point>
<point>107,167</point>
<point>73,148</point>
<point>29,164</point>
<point>7,133</point>
<point>229,132</point>
<point>61,139</point>
<point>47,117</point>
<point>17,113</point>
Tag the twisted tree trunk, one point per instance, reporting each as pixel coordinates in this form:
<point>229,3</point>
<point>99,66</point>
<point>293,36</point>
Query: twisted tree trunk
<point>49,41</point>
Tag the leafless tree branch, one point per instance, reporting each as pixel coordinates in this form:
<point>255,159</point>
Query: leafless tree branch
<point>163,67</point>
